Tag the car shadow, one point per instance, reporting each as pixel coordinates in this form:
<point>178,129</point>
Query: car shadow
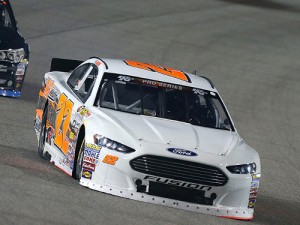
<point>265,4</point>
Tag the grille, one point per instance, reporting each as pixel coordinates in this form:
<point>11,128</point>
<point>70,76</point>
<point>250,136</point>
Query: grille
<point>179,170</point>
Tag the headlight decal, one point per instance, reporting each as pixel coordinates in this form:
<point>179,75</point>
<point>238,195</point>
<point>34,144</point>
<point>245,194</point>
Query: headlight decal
<point>111,144</point>
<point>242,168</point>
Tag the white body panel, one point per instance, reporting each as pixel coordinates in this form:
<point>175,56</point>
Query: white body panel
<point>153,136</point>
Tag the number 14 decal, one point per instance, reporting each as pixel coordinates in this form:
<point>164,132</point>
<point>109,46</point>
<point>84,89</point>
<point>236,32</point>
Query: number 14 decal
<point>64,112</point>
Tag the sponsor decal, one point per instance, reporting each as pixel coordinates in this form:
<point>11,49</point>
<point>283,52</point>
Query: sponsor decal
<point>21,69</point>
<point>87,173</point>
<point>71,135</point>
<point>253,195</point>
<point>110,159</point>
<point>49,86</point>
<point>18,85</point>
<point>89,159</point>
<point>253,190</point>
<point>198,91</point>
<point>54,94</point>
<point>125,78</point>
<point>255,176</point>
<point>98,62</point>
<point>161,84</point>
<point>19,78</point>
<point>88,166</point>
<point>159,69</point>
<point>255,180</point>
<point>3,68</point>
<point>251,203</point>
<point>255,184</point>
<point>83,111</point>
<point>181,152</point>
<point>93,146</point>
<point>178,183</point>
<point>68,160</point>
<point>91,153</point>
<point>20,72</point>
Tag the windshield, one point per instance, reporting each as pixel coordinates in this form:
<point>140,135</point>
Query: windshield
<point>158,99</point>
<point>5,19</point>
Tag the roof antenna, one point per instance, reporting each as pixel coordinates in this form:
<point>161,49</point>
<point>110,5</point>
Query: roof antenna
<point>194,72</point>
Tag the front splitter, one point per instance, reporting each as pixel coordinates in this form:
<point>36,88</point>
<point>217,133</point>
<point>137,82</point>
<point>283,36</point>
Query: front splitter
<point>221,211</point>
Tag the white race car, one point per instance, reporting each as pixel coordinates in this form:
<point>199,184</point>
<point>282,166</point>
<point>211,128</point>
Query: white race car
<point>146,132</point>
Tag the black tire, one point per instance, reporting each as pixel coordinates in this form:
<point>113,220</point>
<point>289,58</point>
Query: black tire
<point>42,138</point>
<point>79,160</point>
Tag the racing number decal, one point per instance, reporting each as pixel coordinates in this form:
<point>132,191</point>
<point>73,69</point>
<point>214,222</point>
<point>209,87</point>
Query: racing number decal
<point>110,159</point>
<point>163,70</point>
<point>64,111</point>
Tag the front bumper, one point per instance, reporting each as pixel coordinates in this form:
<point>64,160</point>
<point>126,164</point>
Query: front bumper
<point>235,199</point>
<point>217,210</point>
<point>12,77</point>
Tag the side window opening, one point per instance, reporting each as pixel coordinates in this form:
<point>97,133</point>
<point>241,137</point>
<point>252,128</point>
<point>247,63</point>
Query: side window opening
<point>82,80</point>
<point>75,75</point>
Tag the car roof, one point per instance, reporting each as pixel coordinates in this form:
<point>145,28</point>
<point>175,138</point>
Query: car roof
<point>159,73</point>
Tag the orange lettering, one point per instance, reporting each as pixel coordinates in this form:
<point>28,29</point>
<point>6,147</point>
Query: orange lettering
<point>163,70</point>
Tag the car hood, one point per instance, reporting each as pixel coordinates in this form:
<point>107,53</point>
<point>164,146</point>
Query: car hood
<point>169,132</point>
<point>10,39</point>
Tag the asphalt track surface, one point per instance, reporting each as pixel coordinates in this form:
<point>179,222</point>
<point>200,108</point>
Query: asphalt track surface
<point>249,48</point>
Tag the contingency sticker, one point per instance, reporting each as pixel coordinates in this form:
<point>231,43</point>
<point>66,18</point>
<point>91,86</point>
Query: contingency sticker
<point>90,159</point>
<point>21,67</point>
<point>253,190</point>
<point>87,174</point>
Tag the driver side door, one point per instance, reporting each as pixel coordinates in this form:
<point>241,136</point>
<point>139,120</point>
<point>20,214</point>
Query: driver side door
<point>70,109</point>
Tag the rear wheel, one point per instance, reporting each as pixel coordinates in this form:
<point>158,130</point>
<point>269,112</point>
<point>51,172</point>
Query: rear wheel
<point>42,138</point>
<point>79,161</point>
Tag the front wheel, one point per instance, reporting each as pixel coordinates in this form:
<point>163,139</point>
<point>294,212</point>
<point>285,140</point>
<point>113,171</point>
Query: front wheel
<point>79,161</point>
<point>42,139</point>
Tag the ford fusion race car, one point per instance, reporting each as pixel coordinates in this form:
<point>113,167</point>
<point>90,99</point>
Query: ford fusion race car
<point>14,53</point>
<point>146,132</point>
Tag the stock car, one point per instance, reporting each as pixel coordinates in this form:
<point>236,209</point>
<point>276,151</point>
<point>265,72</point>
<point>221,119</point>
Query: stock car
<point>14,53</point>
<point>146,132</point>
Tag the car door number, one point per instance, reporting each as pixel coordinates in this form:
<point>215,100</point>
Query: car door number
<point>63,117</point>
